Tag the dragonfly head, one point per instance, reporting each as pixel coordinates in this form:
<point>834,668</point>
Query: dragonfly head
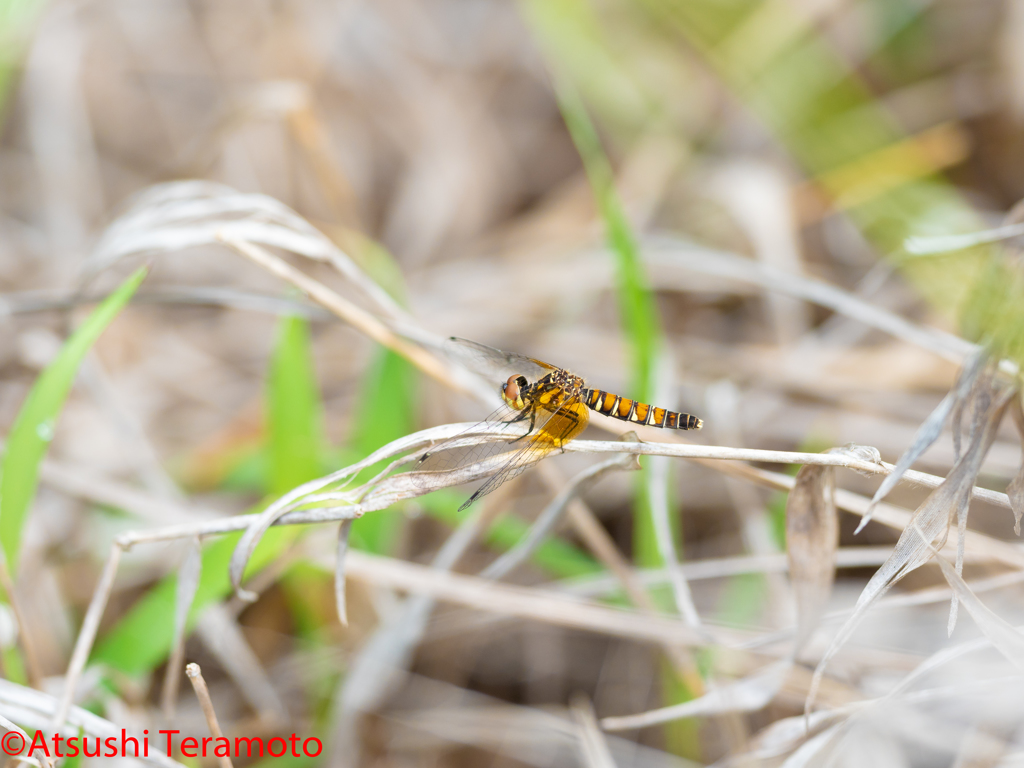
<point>512,392</point>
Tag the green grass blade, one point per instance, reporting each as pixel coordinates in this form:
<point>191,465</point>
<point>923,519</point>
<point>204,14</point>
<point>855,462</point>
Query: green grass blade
<point>33,428</point>
<point>142,639</point>
<point>17,20</point>
<point>635,300</point>
<point>385,412</point>
<point>826,116</point>
<point>636,303</point>
<point>294,410</point>
<point>641,326</point>
<point>555,556</point>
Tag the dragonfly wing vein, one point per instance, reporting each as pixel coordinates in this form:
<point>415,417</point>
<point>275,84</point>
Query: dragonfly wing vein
<point>494,363</point>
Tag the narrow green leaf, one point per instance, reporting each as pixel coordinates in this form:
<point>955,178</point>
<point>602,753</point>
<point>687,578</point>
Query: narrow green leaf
<point>294,411</point>
<point>34,426</point>
<point>142,639</point>
<point>385,411</point>
<point>556,556</point>
<point>636,304</point>
<point>826,116</point>
<point>638,311</point>
<point>641,326</point>
<point>17,21</point>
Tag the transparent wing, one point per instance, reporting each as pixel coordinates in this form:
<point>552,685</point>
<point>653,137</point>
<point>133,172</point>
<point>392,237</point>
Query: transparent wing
<point>493,363</point>
<point>551,431</point>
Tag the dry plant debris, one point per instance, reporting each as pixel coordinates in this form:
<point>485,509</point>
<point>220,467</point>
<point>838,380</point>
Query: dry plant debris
<point>234,237</point>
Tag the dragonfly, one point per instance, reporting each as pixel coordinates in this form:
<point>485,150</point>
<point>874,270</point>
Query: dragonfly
<point>554,402</point>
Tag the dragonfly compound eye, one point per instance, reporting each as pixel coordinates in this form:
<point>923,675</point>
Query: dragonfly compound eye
<point>511,389</point>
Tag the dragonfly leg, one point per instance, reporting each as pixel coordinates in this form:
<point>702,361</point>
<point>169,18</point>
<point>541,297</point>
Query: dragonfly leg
<point>520,417</point>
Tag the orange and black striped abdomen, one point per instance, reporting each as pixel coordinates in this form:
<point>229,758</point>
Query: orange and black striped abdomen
<point>637,412</point>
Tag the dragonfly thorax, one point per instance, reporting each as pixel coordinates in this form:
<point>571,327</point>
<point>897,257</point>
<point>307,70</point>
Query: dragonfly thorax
<point>550,391</point>
<point>554,390</point>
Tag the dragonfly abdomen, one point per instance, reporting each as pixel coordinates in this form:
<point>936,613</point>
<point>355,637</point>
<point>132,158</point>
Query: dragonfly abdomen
<point>623,408</point>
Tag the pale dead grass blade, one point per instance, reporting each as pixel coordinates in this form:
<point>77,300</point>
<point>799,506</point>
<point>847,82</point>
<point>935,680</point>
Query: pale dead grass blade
<point>602,546</point>
<point>785,735</point>
<point>185,592</point>
<point>747,695</point>
<point>758,195</point>
<point>810,753</point>
<point>35,709</point>
<point>185,214</point>
<point>385,657</point>
<point>893,517</point>
<point>929,527</point>
<point>658,479</point>
<point>812,538</point>
<point>667,252</point>
<point>380,492</point>
<point>223,638</point>
<point>593,746</point>
<point>552,513</point>
<point>522,602</point>
<point>722,400</point>
<point>718,568</point>
<point>930,430</point>
<point>35,675</point>
<point>980,411</point>
<point>920,245</point>
<point>539,736</point>
<point>93,486</point>
<point>87,635</point>
<point>1015,490</point>
<point>999,632</point>
<point>339,571</point>
<point>384,490</point>
<point>350,313</point>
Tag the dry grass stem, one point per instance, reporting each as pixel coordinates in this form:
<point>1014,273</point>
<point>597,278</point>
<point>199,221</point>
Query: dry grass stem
<point>195,676</point>
<point>339,571</point>
<point>347,311</point>
<point>314,198</point>
<point>188,582</point>
<point>35,675</point>
<point>538,605</point>
<point>593,746</point>
<point>87,635</point>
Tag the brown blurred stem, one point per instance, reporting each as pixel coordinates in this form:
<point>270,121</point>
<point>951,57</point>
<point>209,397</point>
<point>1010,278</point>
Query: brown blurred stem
<point>195,675</point>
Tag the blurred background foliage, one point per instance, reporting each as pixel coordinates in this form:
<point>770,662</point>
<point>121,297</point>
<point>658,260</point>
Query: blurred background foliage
<point>502,170</point>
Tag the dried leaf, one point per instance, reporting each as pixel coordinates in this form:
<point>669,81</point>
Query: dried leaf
<point>746,695</point>
<point>1015,490</point>
<point>379,492</point>
<point>928,528</point>
<point>592,744</point>
<point>547,519</point>
<point>930,430</point>
<point>1001,634</point>
<point>812,537</point>
<point>980,403</point>
<point>185,214</point>
<point>811,749</point>
<point>785,735</point>
<point>339,571</point>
